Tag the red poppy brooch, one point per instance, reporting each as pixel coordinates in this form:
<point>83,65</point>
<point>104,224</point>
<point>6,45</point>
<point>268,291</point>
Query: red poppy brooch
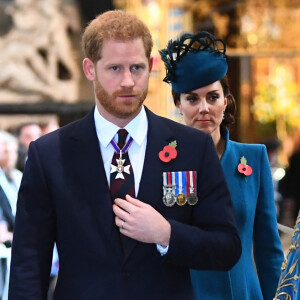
<point>243,168</point>
<point>169,152</point>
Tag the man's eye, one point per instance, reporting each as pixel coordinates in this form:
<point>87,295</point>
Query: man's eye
<point>115,68</point>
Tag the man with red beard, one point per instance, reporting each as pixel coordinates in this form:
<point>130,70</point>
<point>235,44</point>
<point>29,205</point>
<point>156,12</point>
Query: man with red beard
<point>132,200</point>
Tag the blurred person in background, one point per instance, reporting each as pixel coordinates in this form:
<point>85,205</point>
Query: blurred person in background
<point>50,125</point>
<point>10,177</point>
<point>7,218</point>
<point>277,171</point>
<point>26,133</point>
<point>9,161</point>
<point>289,185</point>
<point>5,240</point>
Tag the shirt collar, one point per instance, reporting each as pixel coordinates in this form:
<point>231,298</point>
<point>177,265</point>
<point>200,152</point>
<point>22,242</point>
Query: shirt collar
<point>137,128</point>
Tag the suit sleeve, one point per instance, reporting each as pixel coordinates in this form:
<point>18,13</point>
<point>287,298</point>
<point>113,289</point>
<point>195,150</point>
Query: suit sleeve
<point>267,246</point>
<point>211,241</point>
<point>33,234</point>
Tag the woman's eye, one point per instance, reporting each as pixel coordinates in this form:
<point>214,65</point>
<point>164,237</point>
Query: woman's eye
<point>214,97</point>
<point>191,98</point>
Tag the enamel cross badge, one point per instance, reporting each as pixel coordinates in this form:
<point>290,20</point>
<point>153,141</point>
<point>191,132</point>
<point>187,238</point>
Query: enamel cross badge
<point>120,168</point>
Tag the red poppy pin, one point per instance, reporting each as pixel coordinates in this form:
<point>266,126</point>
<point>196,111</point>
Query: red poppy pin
<point>243,168</point>
<point>169,152</point>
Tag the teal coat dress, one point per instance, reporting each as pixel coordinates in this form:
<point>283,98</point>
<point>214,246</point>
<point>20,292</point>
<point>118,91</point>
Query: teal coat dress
<point>254,208</point>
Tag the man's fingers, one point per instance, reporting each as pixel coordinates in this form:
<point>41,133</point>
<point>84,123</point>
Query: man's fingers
<point>120,212</point>
<point>129,204</point>
<point>120,222</point>
<point>133,201</point>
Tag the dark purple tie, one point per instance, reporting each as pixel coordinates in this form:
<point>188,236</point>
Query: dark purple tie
<point>121,176</point>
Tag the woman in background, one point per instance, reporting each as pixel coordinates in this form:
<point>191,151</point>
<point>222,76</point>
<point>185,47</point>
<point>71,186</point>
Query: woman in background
<point>196,67</point>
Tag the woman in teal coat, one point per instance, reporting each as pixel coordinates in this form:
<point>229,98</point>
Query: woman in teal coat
<point>196,67</point>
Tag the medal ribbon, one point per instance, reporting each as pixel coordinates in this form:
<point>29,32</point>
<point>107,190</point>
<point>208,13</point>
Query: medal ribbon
<point>185,182</point>
<point>191,182</point>
<point>124,149</point>
<point>168,180</point>
<point>173,182</point>
<point>165,178</point>
<point>165,181</point>
<point>180,182</point>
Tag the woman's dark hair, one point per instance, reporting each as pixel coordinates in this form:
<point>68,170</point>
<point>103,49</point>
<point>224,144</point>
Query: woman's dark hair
<point>229,114</point>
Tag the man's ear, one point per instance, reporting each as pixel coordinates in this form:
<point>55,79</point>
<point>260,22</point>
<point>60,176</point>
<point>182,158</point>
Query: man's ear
<point>150,63</point>
<point>88,69</point>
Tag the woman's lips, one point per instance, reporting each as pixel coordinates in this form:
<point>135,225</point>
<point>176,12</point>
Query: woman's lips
<point>203,121</point>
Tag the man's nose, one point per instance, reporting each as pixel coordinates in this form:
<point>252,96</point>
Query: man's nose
<point>127,80</point>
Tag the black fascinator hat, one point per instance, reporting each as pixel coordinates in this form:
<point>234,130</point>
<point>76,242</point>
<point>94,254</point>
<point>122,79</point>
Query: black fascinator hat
<point>194,61</point>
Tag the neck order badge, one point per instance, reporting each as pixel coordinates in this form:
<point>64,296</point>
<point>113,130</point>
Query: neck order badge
<point>121,148</point>
<point>121,174</point>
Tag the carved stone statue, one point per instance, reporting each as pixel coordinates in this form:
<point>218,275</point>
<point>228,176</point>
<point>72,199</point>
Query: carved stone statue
<point>37,59</point>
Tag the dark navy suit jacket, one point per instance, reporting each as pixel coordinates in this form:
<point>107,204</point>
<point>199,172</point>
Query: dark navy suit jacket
<point>64,198</point>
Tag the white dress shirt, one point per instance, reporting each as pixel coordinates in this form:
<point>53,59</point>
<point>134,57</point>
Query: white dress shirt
<point>137,129</point>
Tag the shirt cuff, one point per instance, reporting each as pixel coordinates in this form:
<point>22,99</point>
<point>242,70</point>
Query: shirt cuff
<point>163,250</point>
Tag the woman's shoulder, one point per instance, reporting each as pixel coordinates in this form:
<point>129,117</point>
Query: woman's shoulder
<point>234,148</point>
<point>254,149</point>
<point>253,153</point>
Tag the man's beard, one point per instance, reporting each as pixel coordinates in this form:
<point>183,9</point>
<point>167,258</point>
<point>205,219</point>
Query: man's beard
<point>120,109</point>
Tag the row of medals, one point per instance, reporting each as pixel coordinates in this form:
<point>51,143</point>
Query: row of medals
<point>169,198</point>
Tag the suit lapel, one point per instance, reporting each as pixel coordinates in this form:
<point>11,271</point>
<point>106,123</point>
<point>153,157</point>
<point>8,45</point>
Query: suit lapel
<point>93,179</point>
<point>150,189</point>
<point>158,136</point>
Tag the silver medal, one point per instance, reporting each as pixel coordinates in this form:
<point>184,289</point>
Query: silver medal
<point>192,199</point>
<point>169,199</point>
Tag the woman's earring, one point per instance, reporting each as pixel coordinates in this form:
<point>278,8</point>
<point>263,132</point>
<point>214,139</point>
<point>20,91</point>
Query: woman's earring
<point>223,114</point>
<point>180,117</point>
